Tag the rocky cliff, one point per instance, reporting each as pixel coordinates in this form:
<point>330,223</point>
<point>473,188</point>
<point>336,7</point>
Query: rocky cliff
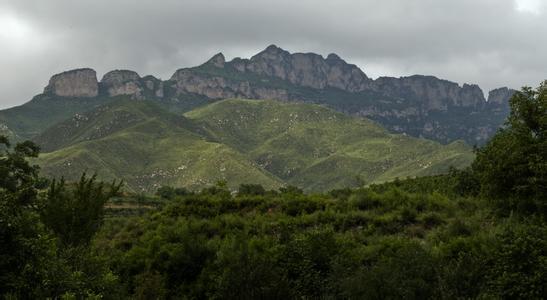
<point>74,83</point>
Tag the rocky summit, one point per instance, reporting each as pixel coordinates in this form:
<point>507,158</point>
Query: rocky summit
<point>74,83</point>
<point>421,106</point>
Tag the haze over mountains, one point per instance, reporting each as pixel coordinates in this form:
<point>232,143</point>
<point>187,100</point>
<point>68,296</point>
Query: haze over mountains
<point>132,127</point>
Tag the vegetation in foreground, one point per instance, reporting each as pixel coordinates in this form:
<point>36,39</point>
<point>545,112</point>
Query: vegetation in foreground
<point>476,233</point>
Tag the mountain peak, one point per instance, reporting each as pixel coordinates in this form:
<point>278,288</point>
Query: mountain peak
<point>333,56</point>
<point>74,83</point>
<point>119,76</point>
<point>273,48</point>
<point>218,60</point>
<point>271,52</point>
<point>500,96</point>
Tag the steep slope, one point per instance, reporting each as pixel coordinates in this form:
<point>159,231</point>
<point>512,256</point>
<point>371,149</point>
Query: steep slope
<point>140,143</point>
<point>320,149</point>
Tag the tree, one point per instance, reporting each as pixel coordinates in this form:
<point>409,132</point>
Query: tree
<point>75,213</point>
<point>251,189</point>
<point>512,167</point>
<point>24,246</point>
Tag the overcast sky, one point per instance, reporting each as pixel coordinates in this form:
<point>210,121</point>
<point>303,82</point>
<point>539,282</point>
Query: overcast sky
<point>489,42</point>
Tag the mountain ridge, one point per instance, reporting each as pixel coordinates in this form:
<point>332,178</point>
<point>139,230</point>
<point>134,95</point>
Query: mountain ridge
<point>418,105</point>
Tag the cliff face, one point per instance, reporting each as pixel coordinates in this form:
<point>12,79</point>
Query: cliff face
<point>432,93</point>
<point>122,82</point>
<point>301,69</point>
<point>306,69</point>
<point>498,100</point>
<point>417,105</point>
<point>74,83</point>
<point>313,71</point>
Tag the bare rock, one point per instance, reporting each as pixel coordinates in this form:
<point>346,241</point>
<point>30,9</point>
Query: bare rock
<point>500,96</point>
<point>431,93</point>
<point>217,60</point>
<point>74,83</point>
<point>122,82</point>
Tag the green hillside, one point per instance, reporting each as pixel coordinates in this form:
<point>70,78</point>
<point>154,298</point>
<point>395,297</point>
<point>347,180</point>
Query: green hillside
<point>251,141</point>
<point>30,119</point>
<point>145,146</point>
<point>320,149</point>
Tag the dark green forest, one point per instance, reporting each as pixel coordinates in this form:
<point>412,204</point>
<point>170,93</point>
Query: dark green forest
<point>479,232</point>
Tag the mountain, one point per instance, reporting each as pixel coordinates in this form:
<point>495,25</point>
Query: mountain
<point>252,141</point>
<point>420,106</point>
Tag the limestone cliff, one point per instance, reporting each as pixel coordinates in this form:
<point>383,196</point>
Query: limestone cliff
<point>74,83</point>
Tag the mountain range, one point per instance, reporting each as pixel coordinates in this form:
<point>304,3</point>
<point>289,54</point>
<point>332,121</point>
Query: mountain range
<point>314,122</point>
<point>421,106</point>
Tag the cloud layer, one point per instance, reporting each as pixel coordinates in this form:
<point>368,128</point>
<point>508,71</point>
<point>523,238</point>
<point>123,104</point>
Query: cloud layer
<point>489,42</point>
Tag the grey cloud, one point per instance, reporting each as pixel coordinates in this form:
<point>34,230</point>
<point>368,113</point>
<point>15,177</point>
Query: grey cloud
<point>487,42</point>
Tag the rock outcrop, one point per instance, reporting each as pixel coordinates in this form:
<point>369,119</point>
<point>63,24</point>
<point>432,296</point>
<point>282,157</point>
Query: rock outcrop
<point>218,87</point>
<point>74,83</point>
<point>430,93</point>
<point>129,83</point>
<point>122,82</point>
<point>217,61</point>
<point>500,96</point>
<point>305,69</point>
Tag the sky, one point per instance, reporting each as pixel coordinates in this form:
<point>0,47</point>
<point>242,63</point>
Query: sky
<point>492,43</point>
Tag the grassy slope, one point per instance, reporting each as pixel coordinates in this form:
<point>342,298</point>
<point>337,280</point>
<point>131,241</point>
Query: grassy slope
<point>319,149</point>
<point>149,147</point>
<point>29,119</point>
<point>251,141</point>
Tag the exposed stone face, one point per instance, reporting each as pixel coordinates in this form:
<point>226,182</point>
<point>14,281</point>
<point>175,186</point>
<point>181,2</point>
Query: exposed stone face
<point>74,83</point>
<point>500,96</point>
<point>122,82</point>
<point>433,94</point>
<point>120,76</point>
<point>216,87</point>
<point>305,69</point>
<point>152,86</point>
<point>218,60</point>
<point>125,82</point>
<point>470,95</point>
<point>498,100</point>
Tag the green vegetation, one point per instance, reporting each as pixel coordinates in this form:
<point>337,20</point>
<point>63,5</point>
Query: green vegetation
<point>30,119</point>
<point>242,141</point>
<point>512,167</point>
<point>146,147</point>
<point>451,236</point>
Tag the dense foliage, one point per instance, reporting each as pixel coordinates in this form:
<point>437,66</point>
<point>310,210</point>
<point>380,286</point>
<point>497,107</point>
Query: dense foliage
<point>512,167</point>
<point>44,237</point>
<point>473,233</point>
